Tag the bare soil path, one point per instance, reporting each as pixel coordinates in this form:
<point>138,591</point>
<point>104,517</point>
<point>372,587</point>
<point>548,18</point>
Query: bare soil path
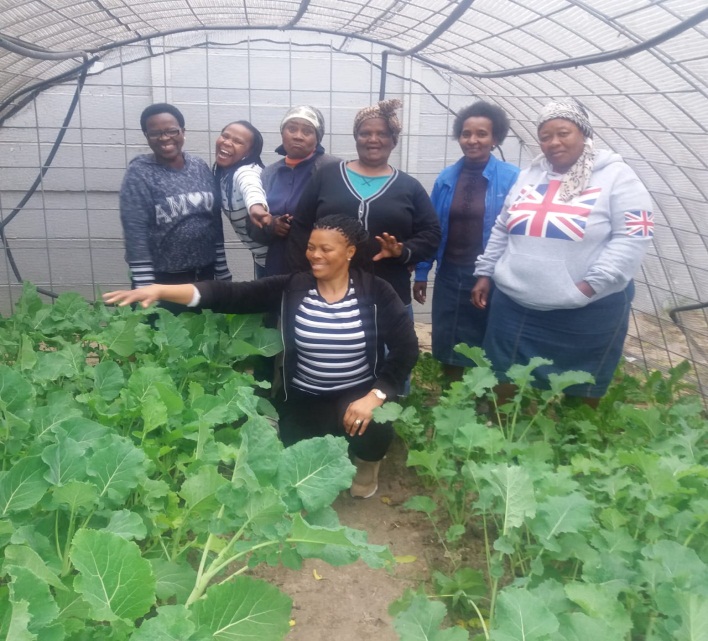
<point>350,603</point>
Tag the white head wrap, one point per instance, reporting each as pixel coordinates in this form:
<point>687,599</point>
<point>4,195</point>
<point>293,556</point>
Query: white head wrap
<point>309,114</point>
<point>577,178</point>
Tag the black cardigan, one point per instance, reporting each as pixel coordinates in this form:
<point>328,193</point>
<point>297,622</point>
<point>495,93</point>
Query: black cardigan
<point>385,320</point>
<point>401,208</point>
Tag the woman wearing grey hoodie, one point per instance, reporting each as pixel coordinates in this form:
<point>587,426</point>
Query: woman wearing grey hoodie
<point>562,256</point>
<point>169,210</point>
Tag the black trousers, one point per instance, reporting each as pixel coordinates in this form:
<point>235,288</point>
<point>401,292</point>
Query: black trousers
<point>305,415</point>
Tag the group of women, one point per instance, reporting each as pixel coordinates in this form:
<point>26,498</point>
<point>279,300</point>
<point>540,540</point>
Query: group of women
<point>532,264</point>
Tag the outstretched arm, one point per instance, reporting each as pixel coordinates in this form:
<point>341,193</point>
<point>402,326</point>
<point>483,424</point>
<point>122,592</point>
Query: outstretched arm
<point>150,294</point>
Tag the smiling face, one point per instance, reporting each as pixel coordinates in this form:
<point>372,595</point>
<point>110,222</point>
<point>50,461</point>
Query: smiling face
<point>329,252</point>
<point>476,139</point>
<point>233,144</point>
<point>299,138</point>
<point>562,143</point>
<point>166,138</point>
<point>374,142</point>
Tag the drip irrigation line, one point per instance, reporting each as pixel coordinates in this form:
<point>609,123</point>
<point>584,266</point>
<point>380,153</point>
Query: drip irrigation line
<point>685,308</point>
<point>45,167</point>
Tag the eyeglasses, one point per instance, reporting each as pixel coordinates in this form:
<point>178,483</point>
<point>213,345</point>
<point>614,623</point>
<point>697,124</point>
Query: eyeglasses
<point>156,134</point>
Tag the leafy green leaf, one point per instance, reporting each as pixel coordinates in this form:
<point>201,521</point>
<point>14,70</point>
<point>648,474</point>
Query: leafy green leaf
<point>25,557</point>
<point>199,489</point>
<point>15,392</point>
<point>65,460</point>
<point>117,467</point>
<point>23,486</point>
<point>421,504</point>
<point>27,587</point>
<point>171,623</point>
<point>126,524</point>
<point>119,336</point>
<point>694,617</point>
<point>113,577</point>
<point>78,496</point>
<point>559,514</point>
<point>521,616</point>
<point>601,602</point>
<point>66,363</point>
<point>264,449</point>
<point>514,486</point>
<point>316,469</point>
<point>173,579</point>
<point>336,546</point>
<point>108,380</point>
<point>242,610</point>
<point>421,622</point>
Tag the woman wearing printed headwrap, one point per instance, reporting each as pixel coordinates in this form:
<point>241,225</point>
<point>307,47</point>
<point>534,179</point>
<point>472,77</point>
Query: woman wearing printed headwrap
<point>237,169</point>
<point>468,196</point>
<point>562,255</point>
<point>391,205</point>
<point>301,130</point>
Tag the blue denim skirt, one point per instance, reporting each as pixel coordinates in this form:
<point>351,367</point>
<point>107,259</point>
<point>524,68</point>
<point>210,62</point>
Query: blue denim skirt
<point>589,339</point>
<point>455,318</point>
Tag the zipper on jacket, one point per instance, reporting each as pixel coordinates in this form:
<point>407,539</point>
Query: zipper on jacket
<point>282,338</point>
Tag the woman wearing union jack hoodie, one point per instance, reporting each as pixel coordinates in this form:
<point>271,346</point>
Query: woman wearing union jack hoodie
<point>562,255</point>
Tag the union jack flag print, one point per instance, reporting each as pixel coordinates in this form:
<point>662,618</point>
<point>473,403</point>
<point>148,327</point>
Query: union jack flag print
<point>538,212</point>
<point>640,223</point>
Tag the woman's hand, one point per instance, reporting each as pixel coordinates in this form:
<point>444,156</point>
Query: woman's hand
<point>281,225</point>
<point>359,414</point>
<point>390,247</point>
<point>420,290</point>
<point>150,294</point>
<point>480,292</point>
<point>259,216</point>
<point>585,288</point>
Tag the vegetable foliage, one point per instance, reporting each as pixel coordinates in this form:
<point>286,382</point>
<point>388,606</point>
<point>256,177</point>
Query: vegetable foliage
<point>594,523</point>
<point>141,479</point>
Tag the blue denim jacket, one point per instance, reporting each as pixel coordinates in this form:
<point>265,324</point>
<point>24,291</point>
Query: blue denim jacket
<point>500,178</point>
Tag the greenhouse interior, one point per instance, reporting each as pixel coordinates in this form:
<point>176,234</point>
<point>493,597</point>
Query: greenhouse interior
<point>75,76</point>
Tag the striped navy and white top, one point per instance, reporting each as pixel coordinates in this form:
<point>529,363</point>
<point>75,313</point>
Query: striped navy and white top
<point>330,343</point>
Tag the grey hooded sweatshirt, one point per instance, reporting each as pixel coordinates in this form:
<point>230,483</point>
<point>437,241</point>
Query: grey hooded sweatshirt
<point>540,248</point>
<point>171,218</point>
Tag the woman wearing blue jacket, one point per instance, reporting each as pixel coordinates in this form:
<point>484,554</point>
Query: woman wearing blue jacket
<point>467,196</point>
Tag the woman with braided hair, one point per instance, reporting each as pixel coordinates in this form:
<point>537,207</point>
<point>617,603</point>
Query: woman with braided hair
<point>349,341</point>
<point>391,205</point>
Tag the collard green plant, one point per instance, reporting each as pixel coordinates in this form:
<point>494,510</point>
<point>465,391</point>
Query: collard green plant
<point>593,522</point>
<point>142,479</point>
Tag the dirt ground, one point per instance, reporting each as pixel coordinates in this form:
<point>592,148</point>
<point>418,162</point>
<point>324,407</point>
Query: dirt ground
<point>350,603</point>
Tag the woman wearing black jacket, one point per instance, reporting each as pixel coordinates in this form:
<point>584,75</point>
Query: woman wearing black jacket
<point>349,341</point>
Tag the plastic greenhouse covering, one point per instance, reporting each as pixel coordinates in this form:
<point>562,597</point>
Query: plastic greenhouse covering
<point>74,76</point>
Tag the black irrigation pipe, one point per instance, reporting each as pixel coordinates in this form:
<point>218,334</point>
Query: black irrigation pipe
<point>685,308</point>
<point>38,180</point>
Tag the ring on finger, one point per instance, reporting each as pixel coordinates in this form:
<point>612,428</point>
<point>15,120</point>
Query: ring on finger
<point>357,422</point>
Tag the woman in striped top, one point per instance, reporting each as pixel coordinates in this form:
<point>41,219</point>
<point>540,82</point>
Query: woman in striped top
<point>237,168</point>
<point>349,341</point>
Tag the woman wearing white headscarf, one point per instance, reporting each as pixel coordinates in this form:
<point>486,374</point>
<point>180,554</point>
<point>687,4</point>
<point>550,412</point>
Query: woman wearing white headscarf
<point>562,255</point>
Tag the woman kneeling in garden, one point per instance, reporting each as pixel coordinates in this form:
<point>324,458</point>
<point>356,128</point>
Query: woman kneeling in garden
<point>349,342</point>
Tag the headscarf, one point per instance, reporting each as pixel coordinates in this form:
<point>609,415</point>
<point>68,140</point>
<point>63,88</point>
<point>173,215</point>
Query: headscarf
<point>225,175</point>
<point>577,178</point>
<point>309,114</point>
<point>385,109</point>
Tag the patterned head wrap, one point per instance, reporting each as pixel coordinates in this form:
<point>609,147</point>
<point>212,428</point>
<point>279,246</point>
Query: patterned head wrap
<point>577,178</point>
<point>385,109</point>
<point>310,115</point>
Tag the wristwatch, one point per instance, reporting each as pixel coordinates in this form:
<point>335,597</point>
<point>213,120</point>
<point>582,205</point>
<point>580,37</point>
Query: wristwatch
<point>379,394</point>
